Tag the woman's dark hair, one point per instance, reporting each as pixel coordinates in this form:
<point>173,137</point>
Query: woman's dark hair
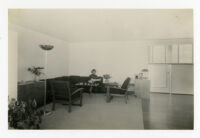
<point>93,70</point>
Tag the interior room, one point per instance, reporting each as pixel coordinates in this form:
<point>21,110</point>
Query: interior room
<point>100,69</point>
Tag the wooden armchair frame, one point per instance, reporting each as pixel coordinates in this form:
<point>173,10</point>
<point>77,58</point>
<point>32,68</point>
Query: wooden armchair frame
<point>65,95</point>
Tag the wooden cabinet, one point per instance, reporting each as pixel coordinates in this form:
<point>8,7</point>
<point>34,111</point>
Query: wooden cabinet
<point>142,88</point>
<point>32,90</point>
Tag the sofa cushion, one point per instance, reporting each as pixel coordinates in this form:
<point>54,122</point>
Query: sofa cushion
<point>84,79</point>
<point>74,79</point>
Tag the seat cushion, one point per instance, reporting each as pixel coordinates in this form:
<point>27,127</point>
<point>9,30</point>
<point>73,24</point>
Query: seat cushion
<point>117,91</point>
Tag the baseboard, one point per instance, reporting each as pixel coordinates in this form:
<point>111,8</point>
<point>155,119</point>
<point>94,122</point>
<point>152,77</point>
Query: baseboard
<point>174,93</point>
<point>161,92</point>
<point>182,93</point>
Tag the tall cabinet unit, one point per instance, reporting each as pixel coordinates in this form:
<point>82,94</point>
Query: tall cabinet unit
<point>164,61</point>
<point>186,53</point>
<point>160,78</point>
<point>172,53</point>
<point>158,54</point>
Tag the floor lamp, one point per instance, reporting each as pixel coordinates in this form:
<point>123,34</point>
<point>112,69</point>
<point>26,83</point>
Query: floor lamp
<point>46,48</point>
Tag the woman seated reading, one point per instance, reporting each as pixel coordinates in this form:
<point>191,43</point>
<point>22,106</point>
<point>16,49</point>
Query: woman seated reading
<point>94,79</point>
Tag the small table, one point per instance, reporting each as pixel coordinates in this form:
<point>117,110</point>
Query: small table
<point>91,85</point>
<point>81,84</point>
<point>108,85</point>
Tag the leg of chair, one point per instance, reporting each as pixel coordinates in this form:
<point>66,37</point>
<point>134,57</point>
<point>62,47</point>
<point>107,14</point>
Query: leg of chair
<point>70,105</point>
<point>53,105</point>
<point>110,98</point>
<point>91,89</point>
<point>81,100</point>
<point>69,109</point>
<point>126,98</point>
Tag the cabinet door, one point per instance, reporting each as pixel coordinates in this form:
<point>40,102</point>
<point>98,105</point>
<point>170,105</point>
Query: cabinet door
<point>182,79</point>
<point>32,91</point>
<point>185,53</point>
<point>38,94</point>
<point>172,53</point>
<point>160,78</point>
<point>158,54</point>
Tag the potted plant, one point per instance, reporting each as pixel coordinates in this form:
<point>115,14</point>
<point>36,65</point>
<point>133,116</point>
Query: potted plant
<point>24,115</point>
<point>106,77</point>
<point>36,71</point>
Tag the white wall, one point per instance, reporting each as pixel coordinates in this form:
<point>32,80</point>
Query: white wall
<point>30,54</point>
<point>12,64</point>
<point>120,59</point>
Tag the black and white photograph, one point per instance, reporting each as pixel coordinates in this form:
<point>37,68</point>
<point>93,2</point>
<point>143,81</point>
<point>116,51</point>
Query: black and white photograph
<point>100,69</point>
<point>105,69</point>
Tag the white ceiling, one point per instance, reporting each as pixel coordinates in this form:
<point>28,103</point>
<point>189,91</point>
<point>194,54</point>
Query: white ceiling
<point>80,25</point>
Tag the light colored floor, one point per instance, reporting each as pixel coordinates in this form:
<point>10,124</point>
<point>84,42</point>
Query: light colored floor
<point>97,114</point>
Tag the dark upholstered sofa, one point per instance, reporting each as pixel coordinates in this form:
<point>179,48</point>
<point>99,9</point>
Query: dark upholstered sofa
<point>83,80</point>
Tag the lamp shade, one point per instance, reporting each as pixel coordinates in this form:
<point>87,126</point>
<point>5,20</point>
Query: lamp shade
<point>46,47</point>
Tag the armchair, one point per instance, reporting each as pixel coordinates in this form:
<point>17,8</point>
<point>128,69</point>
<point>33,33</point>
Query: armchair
<point>62,91</point>
<point>121,92</point>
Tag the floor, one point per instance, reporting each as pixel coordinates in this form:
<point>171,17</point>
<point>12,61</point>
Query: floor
<point>96,113</point>
<point>162,111</point>
<point>165,111</point>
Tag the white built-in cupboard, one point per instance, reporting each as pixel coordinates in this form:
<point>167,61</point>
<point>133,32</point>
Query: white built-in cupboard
<point>173,53</point>
<point>171,68</point>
